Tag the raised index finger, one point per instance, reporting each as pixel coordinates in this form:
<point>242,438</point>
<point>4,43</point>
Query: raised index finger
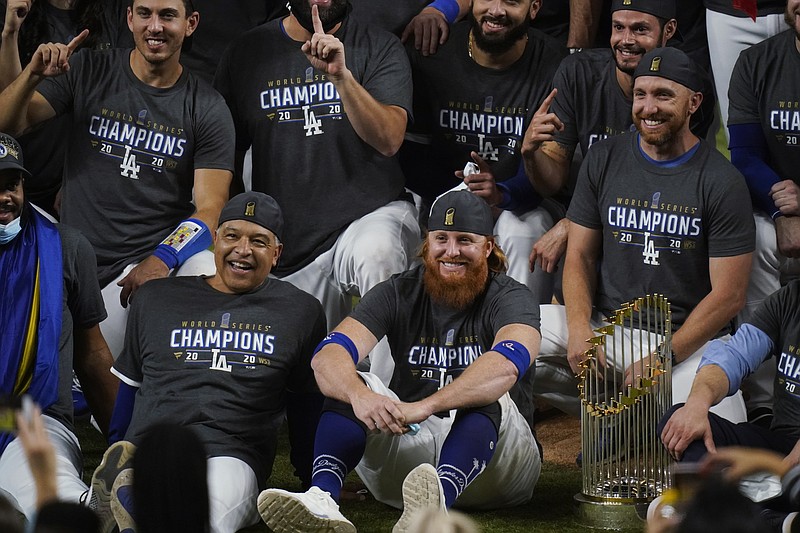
<point>76,42</point>
<point>316,20</point>
<point>545,107</point>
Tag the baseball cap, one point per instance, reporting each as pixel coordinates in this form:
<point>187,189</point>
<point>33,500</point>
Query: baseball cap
<point>461,211</point>
<point>664,9</point>
<point>11,154</point>
<point>672,64</point>
<point>255,207</point>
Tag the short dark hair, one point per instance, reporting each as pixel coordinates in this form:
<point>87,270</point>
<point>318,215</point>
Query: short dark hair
<point>187,5</point>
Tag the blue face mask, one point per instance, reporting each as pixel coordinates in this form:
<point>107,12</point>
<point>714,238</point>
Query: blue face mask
<point>10,230</point>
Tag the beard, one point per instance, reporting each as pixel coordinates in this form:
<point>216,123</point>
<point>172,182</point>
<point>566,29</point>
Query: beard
<point>455,292</point>
<point>659,139</point>
<point>330,16</point>
<point>497,44</point>
<point>629,69</point>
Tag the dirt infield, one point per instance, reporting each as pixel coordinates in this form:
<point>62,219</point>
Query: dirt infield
<point>560,436</point>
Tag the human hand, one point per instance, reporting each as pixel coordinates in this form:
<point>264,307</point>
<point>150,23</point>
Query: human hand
<point>324,52</point>
<point>786,195</point>
<point>637,369</point>
<point>685,426</point>
<point>52,59</point>
<point>414,412</point>
<point>429,28</point>
<point>40,453</point>
<point>151,268</point>
<point>543,126</point>
<point>577,344</point>
<point>16,11</point>
<point>378,412</point>
<point>550,247</point>
<point>737,462</point>
<point>787,231</point>
<point>482,182</point>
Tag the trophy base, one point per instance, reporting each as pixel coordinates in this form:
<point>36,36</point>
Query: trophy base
<point>610,515</point>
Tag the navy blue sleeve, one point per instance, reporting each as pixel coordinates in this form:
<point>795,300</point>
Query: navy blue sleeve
<point>749,155</point>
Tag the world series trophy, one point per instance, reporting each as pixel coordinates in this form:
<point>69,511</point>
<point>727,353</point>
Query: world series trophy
<point>624,465</point>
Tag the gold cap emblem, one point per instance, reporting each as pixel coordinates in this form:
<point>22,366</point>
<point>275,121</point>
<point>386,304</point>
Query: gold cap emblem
<point>655,64</point>
<point>250,209</point>
<point>448,216</point>
<point>626,2</point>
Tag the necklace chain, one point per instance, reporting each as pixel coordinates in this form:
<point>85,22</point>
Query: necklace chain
<point>469,46</point>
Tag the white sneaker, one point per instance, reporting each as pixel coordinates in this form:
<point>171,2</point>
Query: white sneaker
<point>421,489</point>
<point>313,511</point>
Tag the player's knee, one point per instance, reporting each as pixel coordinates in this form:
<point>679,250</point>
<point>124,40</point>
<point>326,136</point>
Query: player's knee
<point>666,417</point>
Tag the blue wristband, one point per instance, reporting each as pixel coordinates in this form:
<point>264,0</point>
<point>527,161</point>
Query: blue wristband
<point>191,236</point>
<point>449,9</point>
<point>516,353</point>
<point>336,337</point>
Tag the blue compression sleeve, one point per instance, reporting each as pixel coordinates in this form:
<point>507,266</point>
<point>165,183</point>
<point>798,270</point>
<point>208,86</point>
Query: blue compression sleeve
<point>123,411</point>
<point>740,356</point>
<point>518,193</point>
<point>449,9</point>
<point>749,154</point>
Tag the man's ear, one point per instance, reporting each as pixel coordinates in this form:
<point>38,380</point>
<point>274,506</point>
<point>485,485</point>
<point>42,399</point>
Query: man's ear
<point>536,5</point>
<point>669,31</point>
<point>194,20</point>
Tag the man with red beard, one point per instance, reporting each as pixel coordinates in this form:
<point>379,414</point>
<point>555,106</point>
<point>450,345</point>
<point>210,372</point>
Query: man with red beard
<point>656,211</point>
<point>461,334</point>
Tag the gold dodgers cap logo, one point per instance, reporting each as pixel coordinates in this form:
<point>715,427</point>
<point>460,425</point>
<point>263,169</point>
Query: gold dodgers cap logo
<point>250,209</point>
<point>449,215</point>
<point>655,64</point>
<point>626,2</point>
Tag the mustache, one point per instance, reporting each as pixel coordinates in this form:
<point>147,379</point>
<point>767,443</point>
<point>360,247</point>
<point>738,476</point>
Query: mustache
<point>496,20</point>
<point>630,49</point>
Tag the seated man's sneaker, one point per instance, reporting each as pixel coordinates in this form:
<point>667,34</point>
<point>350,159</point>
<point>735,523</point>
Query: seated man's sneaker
<point>313,511</point>
<point>421,490</point>
<point>117,458</point>
<point>122,501</point>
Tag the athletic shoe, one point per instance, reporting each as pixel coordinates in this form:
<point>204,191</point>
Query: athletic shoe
<point>117,458</point>
<point>421,489</point>
<point>313,511</point>
<point>122,501</point>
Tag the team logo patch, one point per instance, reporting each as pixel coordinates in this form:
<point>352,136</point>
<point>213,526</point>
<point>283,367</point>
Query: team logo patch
<point>250,209</point>
<point>655,64</point>
<point>626,2</point>
<point>9,150</point>
<point>449,215</point>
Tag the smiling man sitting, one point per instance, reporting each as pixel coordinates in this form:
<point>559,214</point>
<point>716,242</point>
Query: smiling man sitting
<point>461,334</point>
<point>226,355</point>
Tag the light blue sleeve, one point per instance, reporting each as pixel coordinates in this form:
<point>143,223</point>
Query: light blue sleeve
<point>740,356</point>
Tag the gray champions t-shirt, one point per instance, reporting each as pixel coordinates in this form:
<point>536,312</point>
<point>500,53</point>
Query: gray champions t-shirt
<point>660,225</point>
<point>133,149</point>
